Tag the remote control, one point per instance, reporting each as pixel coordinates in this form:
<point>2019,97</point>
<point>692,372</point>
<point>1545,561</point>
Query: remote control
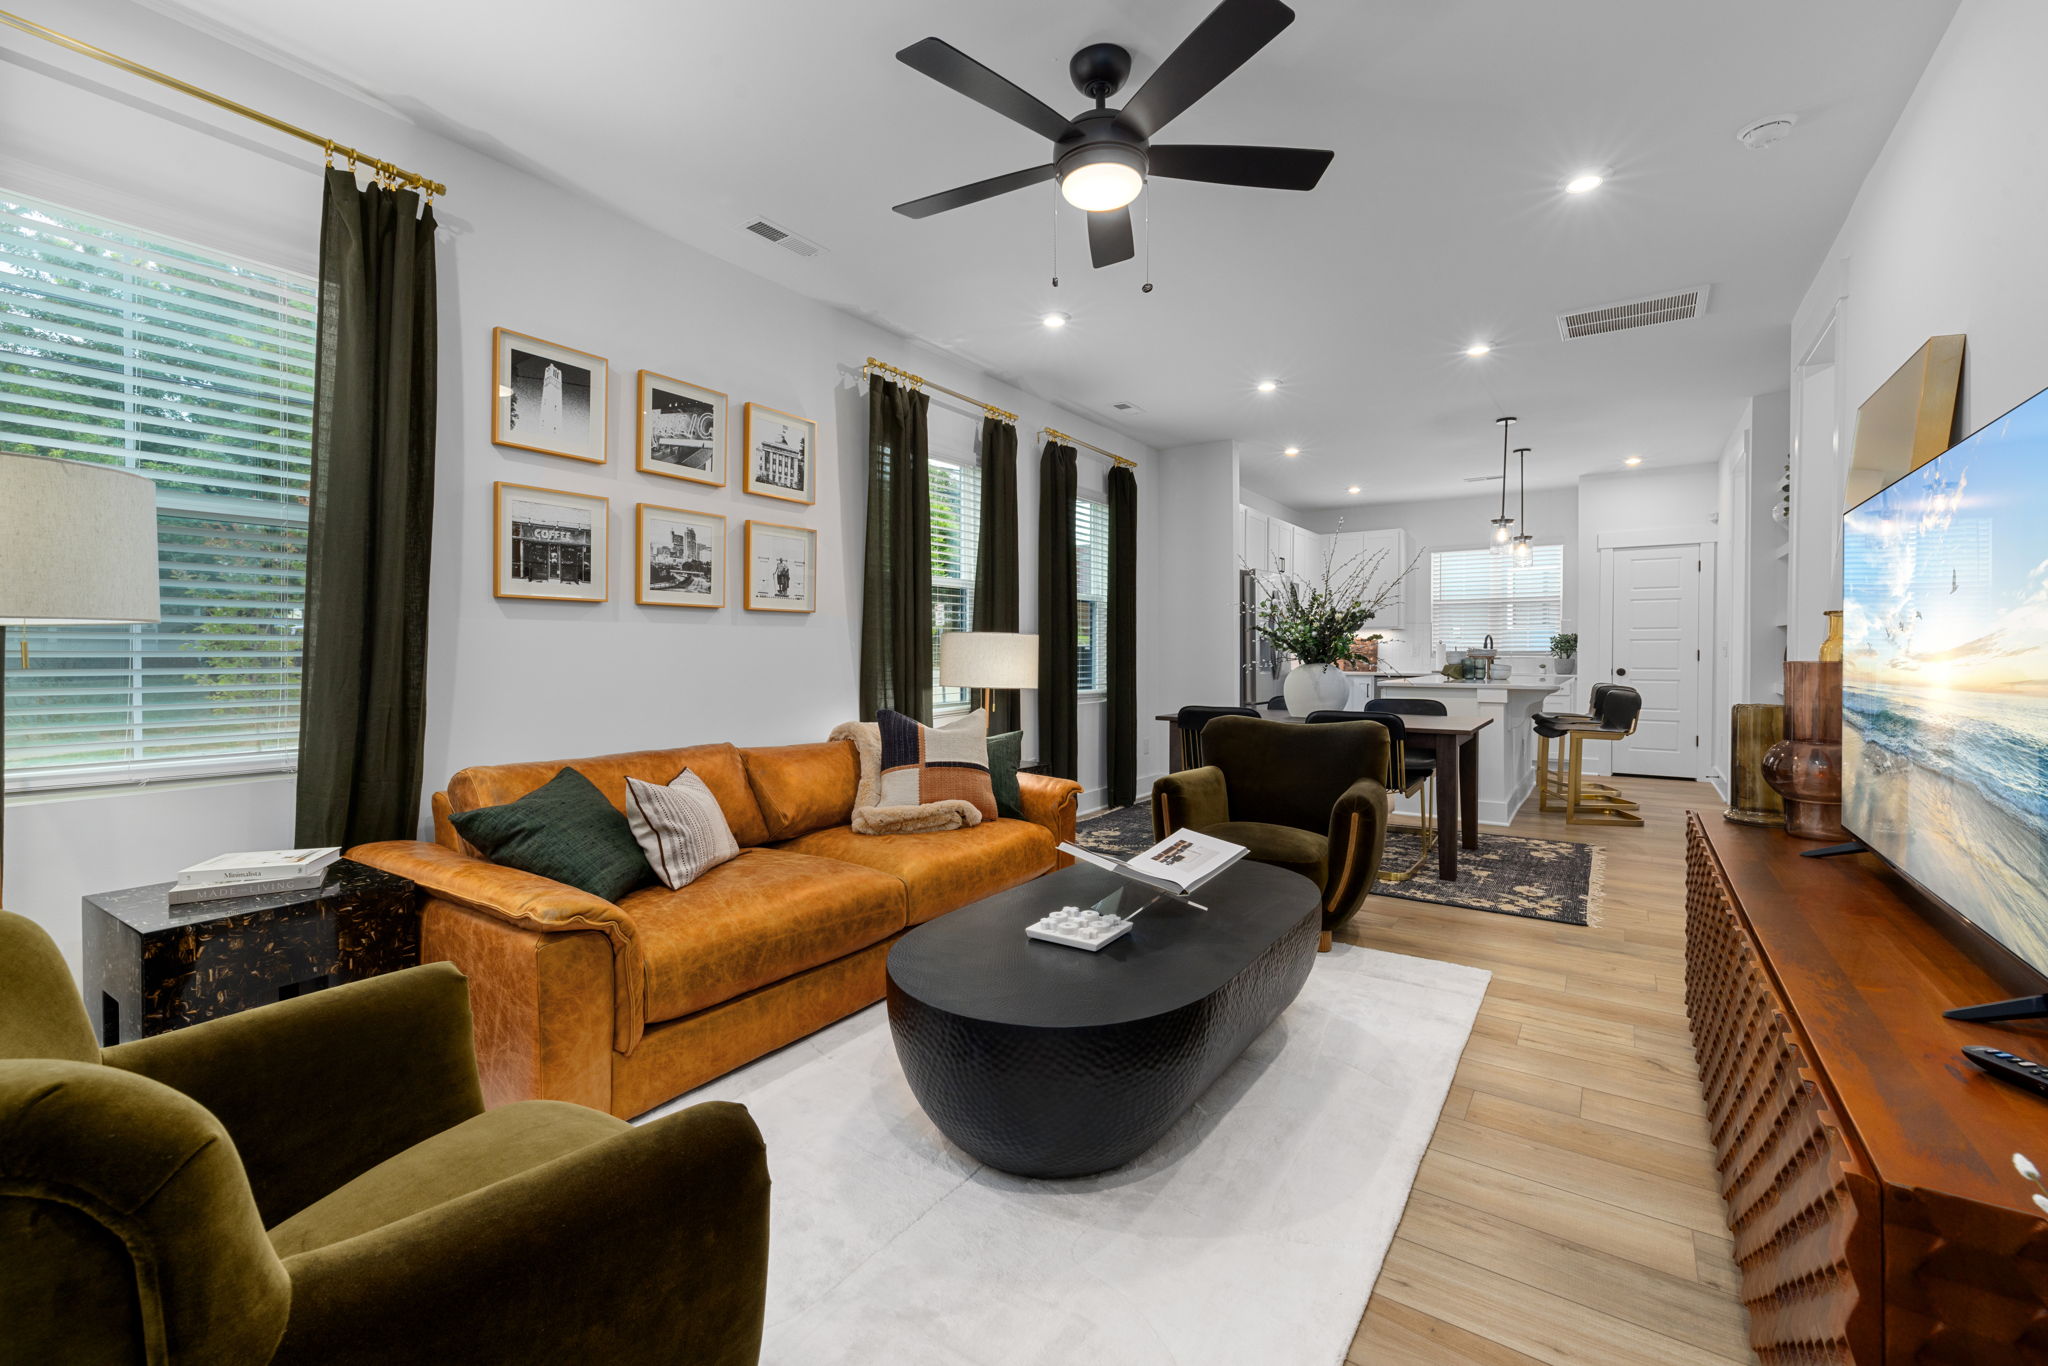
<point>2010,1067</point>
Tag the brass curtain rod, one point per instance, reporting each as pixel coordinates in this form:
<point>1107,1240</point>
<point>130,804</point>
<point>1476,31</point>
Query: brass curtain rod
<point>919,381</point>
<point>1058,435</point>
<point>333,148</point>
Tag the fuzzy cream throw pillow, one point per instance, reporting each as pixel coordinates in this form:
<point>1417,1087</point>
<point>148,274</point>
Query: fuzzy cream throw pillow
<point>870,817</point>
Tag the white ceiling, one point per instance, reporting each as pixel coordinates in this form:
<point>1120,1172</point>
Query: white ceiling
<point>1441,220</point>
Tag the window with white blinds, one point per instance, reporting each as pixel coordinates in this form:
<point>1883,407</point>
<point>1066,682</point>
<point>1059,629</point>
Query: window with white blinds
<point>1091,610</point>
<point>956,535</point>
<point>1476,593</point>
<point>195,369</point>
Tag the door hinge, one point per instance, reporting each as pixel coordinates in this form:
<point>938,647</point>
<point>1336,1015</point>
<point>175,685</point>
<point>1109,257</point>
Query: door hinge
<point>1695,742</point>
<point>1695,656</point>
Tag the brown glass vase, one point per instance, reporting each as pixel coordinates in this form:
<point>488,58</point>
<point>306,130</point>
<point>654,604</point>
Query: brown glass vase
<point>1805,768</point>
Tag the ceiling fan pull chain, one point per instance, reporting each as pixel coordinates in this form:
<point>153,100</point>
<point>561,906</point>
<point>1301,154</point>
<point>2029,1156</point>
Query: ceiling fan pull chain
<point>1055,235</point>
<point>1148,246</point>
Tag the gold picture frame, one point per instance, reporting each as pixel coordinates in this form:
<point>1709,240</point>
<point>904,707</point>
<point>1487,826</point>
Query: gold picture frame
<point>548,398</point>
<point>677,422</point>
<point>535,543</point>
<point>767,571</point>
<point>776,468</point>
<point>679,573</point>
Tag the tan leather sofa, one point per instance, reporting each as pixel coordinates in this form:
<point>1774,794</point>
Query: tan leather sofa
<point>623,1006</point>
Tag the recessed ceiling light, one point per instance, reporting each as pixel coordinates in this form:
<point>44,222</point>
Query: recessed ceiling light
<point>1477,349</point>
<point>1584,181</point>
<point>1292,450</point>
<point>1352,489</point>
<point>1055,319</point>
<point>1633,460</point>
<point>1267,386</point>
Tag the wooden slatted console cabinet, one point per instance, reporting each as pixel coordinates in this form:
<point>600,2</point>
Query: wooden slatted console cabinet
<point>1866,1167</point>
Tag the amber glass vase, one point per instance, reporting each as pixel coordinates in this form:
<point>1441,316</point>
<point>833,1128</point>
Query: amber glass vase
<point>1805,768</point>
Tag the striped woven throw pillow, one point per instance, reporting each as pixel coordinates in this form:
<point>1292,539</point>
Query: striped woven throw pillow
<point>922,764</point>
<point>681,827</point>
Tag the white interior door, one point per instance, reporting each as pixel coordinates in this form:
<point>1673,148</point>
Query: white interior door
<point>1659,653</point>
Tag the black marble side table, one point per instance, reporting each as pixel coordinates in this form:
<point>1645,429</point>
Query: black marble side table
<point>151,966</point>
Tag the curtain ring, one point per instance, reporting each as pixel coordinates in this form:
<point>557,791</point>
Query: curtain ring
<point>330,154</point>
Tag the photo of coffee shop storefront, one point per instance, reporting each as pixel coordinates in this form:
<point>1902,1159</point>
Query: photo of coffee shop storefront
<point>550,544</point>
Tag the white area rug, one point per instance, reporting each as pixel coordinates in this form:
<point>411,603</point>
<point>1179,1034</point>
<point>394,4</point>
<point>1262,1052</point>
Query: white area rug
<point>1253,1232</point>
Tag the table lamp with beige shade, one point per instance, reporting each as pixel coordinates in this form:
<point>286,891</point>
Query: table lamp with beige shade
<point>988,660</point>
<point>77,546</point>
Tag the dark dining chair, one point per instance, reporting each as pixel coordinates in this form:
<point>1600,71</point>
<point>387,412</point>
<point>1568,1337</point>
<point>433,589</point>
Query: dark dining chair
<point>1411,775</point>
<point>1191,720</point>
<point>1408,706</point>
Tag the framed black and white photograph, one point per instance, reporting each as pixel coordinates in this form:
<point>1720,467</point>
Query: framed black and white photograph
<point>547,398</point>
<point>681,430</point>
<point>782,455</point>
<point>681,557</point>
<point>779,564</point>
<point>550,544</point>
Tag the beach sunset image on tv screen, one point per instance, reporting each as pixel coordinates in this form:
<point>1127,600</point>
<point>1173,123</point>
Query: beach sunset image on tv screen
<point>1945,677</point>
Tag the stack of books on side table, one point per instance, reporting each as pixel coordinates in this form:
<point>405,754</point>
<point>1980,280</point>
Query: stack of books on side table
<point>255,873</point>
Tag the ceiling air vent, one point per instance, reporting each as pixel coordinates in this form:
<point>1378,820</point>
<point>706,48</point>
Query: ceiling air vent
<point>1126,407</point>
<point>784,238</point>
<point>1682,306</point>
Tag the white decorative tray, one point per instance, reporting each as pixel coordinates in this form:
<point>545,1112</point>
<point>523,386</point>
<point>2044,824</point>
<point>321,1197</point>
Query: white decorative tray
<point>1078,928</point>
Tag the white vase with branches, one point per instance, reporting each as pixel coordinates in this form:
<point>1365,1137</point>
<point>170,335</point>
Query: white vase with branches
<point>1317,624</point>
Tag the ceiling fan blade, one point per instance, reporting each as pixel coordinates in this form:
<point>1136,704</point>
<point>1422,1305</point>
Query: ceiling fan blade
<point>1232,34</point>
<point>951,67</point>
<point>1265,168</point>
<point>1109,237</point>
<point>961,195</point>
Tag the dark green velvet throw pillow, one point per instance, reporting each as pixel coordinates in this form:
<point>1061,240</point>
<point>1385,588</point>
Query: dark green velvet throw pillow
<point>565,830</point>
<point>1005,756</point>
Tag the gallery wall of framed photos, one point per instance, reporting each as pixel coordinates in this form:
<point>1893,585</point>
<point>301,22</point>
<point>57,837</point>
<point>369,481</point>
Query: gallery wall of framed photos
<point>554,545</point>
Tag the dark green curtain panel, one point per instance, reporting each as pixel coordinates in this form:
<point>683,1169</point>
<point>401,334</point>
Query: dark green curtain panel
<point>1123,636</point>
<point>995,554</point>
<point>363,709</point>
<point>1059,751</point>
<point>896,587</point>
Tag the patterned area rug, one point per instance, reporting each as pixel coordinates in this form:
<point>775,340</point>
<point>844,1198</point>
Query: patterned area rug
<point>1507,874</point>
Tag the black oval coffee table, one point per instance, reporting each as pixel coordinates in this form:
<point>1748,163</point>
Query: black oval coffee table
<point>1044,1060</point>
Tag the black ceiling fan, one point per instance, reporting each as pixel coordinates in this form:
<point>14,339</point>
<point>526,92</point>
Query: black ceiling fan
<point>1102,156</point>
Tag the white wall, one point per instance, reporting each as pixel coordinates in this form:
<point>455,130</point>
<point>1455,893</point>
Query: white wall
<point>1945,235</point>
<point>508,679</point>
<point>1273,507</point>
<point>1197,604</point>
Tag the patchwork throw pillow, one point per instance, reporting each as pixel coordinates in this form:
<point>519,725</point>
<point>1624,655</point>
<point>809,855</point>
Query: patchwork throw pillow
<point>1005,757</point>
<point>923,764</point>
<point>565,830</point>
<point>681,827</point>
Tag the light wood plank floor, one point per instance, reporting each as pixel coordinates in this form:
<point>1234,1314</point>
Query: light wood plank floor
<point>1566,1212</point>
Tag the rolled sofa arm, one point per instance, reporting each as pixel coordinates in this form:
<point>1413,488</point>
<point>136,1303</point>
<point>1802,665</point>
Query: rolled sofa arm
<point>1050,802</point>
<point>648,1246</point>
<point>1358,840</point>
<point>1193,796</point>
<point>529,901</point>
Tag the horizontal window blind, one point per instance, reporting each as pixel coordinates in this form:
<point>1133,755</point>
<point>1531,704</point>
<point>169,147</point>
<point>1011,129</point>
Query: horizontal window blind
<point>194,369</point>
<point>1091,557</point>
<point>1476,593</point>
<point>956,538</point>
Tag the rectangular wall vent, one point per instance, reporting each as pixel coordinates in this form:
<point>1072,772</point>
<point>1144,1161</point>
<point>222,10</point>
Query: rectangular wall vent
<point>1681,306</point>
<point>1127,407</point>
<point>784,238</point>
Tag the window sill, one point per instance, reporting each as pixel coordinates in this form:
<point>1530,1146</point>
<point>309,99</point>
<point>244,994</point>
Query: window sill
<point>132,786</point>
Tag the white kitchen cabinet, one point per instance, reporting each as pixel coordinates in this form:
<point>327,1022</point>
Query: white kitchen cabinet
<point>1308,555</point>
<point>1408,608</point>
<point>1258,546</point>
<point>1280,540</point>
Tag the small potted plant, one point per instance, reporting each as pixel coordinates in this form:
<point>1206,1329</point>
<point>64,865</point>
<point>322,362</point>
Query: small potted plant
<point>1564,648</point>
<point>1317,625</point>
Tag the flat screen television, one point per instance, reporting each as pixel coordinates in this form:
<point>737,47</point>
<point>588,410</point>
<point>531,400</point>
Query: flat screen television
<point>1945,678</point>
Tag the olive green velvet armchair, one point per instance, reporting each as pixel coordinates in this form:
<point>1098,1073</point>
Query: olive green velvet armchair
<point>1306,798</point>
<point>318,1181</point>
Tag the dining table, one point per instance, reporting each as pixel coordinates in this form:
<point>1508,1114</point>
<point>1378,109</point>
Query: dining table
<point>1453,739</point>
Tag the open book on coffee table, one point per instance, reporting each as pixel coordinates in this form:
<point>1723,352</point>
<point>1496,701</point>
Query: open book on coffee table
<point>1178,864</point>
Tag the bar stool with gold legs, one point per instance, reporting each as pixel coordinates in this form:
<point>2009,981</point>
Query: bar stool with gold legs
<point>1409,775</point>
<point>1551,725</point>
<point>1620,709</point>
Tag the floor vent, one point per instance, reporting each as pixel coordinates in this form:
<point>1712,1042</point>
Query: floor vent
<point>1682,306</point>
<point>784,238</point>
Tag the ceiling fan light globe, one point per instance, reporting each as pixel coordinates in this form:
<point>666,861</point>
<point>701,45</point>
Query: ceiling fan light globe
<point>1101,186</point>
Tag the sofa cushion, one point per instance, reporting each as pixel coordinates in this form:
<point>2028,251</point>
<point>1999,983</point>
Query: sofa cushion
<point>720,766</point>
<point>680,828</point>
<point>475,1153</point>
<point>563,830</point>
<point>1283,846</point>
<point>943,869</point>
<point>764,916</point>
<point>923,764</point>
<point>1005,757</point>
<point>801,788</point>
